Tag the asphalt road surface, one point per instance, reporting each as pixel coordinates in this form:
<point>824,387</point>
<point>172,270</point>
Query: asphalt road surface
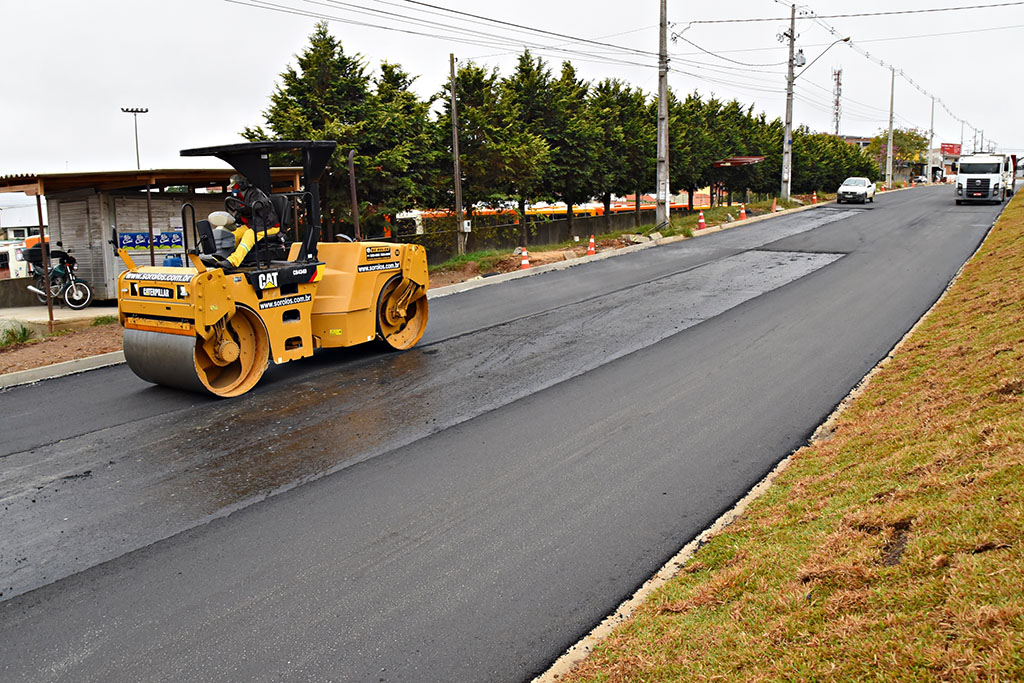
<point>463,511</point>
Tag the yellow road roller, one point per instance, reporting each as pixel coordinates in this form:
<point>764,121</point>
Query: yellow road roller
<point>248,297</point>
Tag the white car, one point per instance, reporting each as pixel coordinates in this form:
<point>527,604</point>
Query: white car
<point>856,190</point>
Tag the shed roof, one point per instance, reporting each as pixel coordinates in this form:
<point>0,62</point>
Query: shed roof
<point>737,161</point>
<point>53,183</point>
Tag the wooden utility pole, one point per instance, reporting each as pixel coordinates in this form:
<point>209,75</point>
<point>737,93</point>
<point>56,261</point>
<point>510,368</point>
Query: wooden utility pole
<point>459,229</point>
<point>661,215</point>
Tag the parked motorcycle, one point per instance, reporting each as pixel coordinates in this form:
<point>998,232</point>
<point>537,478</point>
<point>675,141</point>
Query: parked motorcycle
<point>64,283</point>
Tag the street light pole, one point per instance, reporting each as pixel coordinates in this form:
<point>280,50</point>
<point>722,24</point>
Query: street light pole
<point>787,143</point>
<point>135,111</point>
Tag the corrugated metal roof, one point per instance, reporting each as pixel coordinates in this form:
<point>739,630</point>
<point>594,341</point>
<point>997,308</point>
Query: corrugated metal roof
<point>737,161</point>
<point>54,183</point>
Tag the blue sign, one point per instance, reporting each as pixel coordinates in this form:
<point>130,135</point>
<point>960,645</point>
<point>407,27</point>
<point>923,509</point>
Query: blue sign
<point>140,240</point>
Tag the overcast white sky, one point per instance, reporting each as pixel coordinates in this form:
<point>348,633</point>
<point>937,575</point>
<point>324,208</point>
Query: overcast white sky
<point>205,68</point>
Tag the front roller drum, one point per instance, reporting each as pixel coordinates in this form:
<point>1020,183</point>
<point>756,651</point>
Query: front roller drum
<point>230,367</point>
<point>401,313</point>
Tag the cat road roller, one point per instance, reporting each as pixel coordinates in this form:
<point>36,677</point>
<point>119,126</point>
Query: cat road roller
<point>249,297</point>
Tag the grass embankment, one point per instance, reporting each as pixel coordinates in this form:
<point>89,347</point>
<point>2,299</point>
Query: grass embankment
<point>893,550</point>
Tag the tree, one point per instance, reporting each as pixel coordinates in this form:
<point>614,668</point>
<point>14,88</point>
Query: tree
<point>527,118</point>
<point>330,96</point>
<point>907,145</point>
<point>325,98</point>
<point>397,154</point>
<point>626,154</point>
<point>694,142</point>
<point>572,139</point>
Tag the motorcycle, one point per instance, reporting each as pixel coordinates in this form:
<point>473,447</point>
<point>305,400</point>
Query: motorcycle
<point>63,282</point>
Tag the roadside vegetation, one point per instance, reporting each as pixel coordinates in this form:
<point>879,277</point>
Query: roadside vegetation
<point>536,133</point>
<point>14,335</point>
<point>490,260</point>
<point>891,548</point>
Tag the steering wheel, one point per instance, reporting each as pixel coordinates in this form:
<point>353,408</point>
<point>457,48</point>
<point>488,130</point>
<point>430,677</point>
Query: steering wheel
<point>233,204</point>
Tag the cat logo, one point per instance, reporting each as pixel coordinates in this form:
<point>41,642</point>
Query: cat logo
<point>268,280</point>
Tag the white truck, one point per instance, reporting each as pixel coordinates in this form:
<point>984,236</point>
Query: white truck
<point>985,178</point>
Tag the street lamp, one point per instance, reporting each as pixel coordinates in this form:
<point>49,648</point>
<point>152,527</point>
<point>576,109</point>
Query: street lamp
<point>787,143</point>
<point>135,111</point>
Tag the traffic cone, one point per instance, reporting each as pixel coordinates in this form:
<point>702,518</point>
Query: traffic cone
<point>814,197</point>
<point>526,260</point>
<point>592,249</point>
<point>774,203</point>
<point>700,221</point>
<point>743,212</point>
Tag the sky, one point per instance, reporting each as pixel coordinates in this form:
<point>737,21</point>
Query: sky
<point>205,68</point>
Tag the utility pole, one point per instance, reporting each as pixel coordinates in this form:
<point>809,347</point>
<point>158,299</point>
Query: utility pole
<point>931,141</point>
<point>662,213</point>
<point>982,145</point>
<point>837,105</point>
<point>787,142</point>
<point>888,156</point>
<point>460,231</point>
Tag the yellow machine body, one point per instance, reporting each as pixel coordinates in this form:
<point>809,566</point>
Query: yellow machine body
<point>210,329</point>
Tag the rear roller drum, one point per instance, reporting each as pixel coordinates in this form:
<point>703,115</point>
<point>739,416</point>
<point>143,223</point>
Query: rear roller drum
<point>401,314</point>
<point>228,364</point>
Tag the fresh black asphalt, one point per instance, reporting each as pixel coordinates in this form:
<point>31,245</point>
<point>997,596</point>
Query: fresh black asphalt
<point>466,510</point>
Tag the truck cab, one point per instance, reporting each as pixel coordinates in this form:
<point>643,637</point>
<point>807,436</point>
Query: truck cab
<point>985,178</point>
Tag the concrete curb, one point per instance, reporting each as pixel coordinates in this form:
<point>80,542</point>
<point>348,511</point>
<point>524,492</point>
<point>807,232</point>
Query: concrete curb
<point>608,253</point>
<point>72,367</point>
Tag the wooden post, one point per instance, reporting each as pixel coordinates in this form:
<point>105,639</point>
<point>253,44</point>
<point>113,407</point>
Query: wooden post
<point>44,250</point>
<point>352,189</point>
<point>149,214</point>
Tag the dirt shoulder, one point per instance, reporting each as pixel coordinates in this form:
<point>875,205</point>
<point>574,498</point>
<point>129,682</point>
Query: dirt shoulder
<point>71,345</point>
<point>890,549</point>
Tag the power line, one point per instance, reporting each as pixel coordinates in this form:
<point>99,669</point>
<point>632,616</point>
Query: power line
<point>862,14</point>
<point>679,36</point>
<point>481,41</point>
<point>535,30</point>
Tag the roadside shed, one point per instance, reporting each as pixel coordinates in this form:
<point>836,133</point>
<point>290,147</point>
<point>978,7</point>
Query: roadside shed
<point>143,208</point>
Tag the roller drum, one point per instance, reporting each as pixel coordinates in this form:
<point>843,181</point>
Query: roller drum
<point>167,359</point>
<point>226,366</point>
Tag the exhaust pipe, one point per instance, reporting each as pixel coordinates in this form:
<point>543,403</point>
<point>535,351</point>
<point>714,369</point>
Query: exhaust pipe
<point>35,290</point>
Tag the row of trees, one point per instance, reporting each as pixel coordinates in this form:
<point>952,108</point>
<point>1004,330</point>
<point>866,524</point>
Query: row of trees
<point>525,137</point>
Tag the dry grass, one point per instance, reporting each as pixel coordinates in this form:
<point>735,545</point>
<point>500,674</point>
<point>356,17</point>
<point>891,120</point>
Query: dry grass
<point>894,550</point>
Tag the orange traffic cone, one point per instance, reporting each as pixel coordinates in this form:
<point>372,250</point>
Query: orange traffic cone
<point>743,212</point>
<point>700,221</point>
<point>526,260</point>
<point>814,197</point>
<point>774,201</point>
<point>592,249</point>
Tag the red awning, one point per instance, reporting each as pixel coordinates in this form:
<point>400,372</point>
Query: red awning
<point>737,161</point>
